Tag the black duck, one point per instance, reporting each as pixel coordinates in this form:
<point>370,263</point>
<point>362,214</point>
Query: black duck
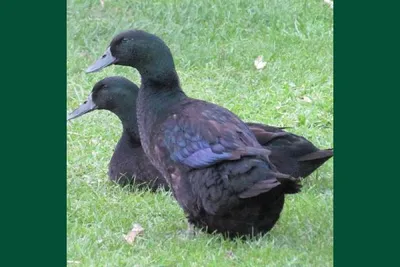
<point>219,173</point>
<point>128,165</point>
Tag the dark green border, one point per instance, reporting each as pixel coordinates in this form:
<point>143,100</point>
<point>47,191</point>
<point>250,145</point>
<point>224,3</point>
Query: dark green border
<point>366,137</point>
<point>33,104</point>
<point>33,53</point>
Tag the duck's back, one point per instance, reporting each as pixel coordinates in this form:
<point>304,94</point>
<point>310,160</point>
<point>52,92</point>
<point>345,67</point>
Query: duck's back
<point>195,134</point>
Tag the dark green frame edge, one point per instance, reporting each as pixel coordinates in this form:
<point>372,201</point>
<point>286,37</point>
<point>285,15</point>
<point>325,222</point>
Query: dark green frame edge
<point>365,115</point>
<point>33,198</point>
<point>34,134</point>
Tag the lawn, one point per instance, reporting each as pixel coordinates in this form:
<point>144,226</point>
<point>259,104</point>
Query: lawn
<point>214,44</point>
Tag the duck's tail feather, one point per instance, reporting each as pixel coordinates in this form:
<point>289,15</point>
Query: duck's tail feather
<point>310,162</point>
<point>291,185</point>
<point>259,188</point>
<point>318,155</point>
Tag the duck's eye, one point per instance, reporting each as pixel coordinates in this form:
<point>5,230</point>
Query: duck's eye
<point>85,102</point>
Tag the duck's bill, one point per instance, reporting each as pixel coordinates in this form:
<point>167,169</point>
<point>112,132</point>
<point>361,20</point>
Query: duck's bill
<point>106,60</point>
<point>86,107</point>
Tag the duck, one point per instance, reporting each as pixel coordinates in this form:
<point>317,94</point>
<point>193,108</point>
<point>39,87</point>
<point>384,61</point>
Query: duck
<point>218,172</point>
<point>129,164</point>
<point>291,154</point>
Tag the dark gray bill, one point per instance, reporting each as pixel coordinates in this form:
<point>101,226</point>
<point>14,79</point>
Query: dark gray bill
<point>106,60</point>
<point>86,107</point>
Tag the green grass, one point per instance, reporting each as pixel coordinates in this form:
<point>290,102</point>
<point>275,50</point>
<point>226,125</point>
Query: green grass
<point>214,44</point>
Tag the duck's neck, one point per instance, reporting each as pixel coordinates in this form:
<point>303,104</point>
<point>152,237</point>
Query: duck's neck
<point>133,131</point>
<point>160,74</point>
<point>128,119</point>
<point>160,86</point>
<point>158,98</point>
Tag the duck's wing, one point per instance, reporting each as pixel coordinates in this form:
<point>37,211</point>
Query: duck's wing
<point>203,136</point>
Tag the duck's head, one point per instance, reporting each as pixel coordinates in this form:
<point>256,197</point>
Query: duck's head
<point>138,49</point>
<point>115,94</point>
